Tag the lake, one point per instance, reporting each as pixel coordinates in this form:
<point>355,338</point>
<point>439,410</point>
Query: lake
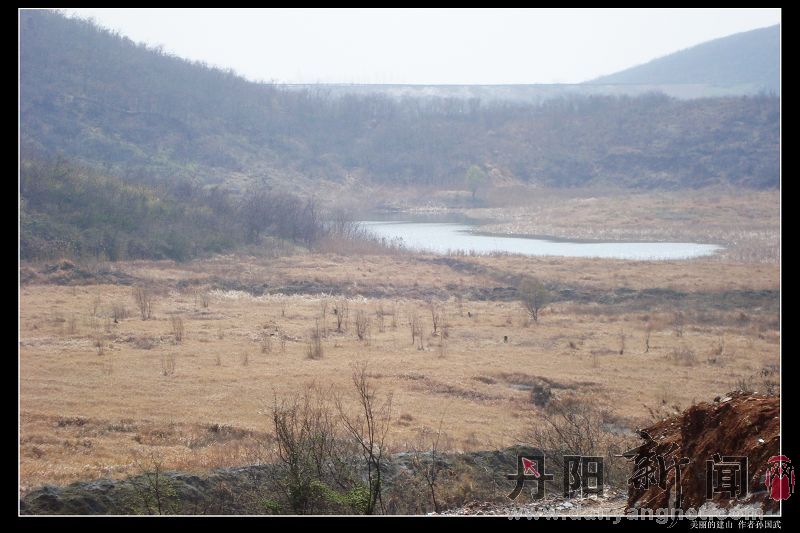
<point>444,237</point>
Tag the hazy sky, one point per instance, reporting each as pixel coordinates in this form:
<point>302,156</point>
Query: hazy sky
<point>427,46</point>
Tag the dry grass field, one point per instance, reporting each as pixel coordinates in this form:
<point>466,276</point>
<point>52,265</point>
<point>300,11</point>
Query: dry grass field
<point>100,387</point>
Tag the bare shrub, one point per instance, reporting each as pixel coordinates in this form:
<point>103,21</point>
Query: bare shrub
<point>380,318</point>
<point>119,312</point>
<point>442,346</point>
<point>428,465</point>
<point>168,364</point>
<point>534,297</point>
<point>341,311</point>
<point>282,341</point>
<point>678,322</point>
<point>314,349</point>
<point>143,296</point>
<point>648,330</point>
<point>436,315</point>
<point>266,343</point>
<point>745,384</point>
<point>177,328</point>
<point>718,348</point>
<point>683,356</point>
<point>99,343</point>
<point>573,426</point>
<point>417,333</point>
<point>323,315</point>
<point>205,298</point>
<point>362,325</point>
<point>155,492</point>
<point>314,472</point>
<point>541,393</point>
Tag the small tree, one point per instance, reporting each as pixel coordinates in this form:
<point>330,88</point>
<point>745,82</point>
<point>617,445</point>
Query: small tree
<point>474,178</point>
<point>368,429</point>
<point>534,297</point>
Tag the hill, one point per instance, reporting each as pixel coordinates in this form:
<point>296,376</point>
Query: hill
<point>749,59</point>
<point>135,112</point>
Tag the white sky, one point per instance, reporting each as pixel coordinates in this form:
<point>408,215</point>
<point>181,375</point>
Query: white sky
<point>425,46</point>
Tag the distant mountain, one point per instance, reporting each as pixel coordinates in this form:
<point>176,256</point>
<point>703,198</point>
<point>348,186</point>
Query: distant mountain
<point>99,99</point>
<point>750,60</point>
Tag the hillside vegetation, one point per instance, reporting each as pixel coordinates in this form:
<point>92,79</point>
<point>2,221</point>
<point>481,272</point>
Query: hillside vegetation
<point>748,58</point>
<point>146,116</point>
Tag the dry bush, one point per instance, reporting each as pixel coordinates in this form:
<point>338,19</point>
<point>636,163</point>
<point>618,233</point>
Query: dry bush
<point>144,343</point>
<point>266,343</point>
<point>315,465</point>
<point>362,325</point>
<point>341,310</point>
<point>574,426</point>
<point>119,312</point>
<point>678,323</point>
<point>718,348</point>
<point>205,298</point>
<point>168,364</point>
<point>769,374</point>
<point>282,341</point>
<point>417,332</point>
<point>427,463</point>
<point>323,315</point>
<point>436,315</point>
<point>143,296</point>
<point>380,315</point>
<point>314,349</point>
<point>177,328</point>
<point>99,342</point>
<point>683,356</point>
<point>442,346</point>
<point>72,325</point>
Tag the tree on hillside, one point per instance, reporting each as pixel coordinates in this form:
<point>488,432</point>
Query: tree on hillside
<point>474,178</point>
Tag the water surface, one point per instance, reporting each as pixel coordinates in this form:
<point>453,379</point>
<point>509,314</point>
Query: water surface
<point>446,237</point>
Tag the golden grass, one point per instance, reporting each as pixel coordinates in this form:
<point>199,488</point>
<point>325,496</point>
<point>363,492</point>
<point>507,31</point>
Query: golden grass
<point>222,377</point>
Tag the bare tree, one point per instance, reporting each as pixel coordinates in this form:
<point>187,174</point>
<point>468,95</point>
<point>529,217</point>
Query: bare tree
<point>430,469</point>
<point>369,429</point>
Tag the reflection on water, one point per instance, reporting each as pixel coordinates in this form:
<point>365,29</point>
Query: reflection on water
<point>443,237</point>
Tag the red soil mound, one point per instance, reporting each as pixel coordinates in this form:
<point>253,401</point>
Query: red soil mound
<point>740,424</point>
